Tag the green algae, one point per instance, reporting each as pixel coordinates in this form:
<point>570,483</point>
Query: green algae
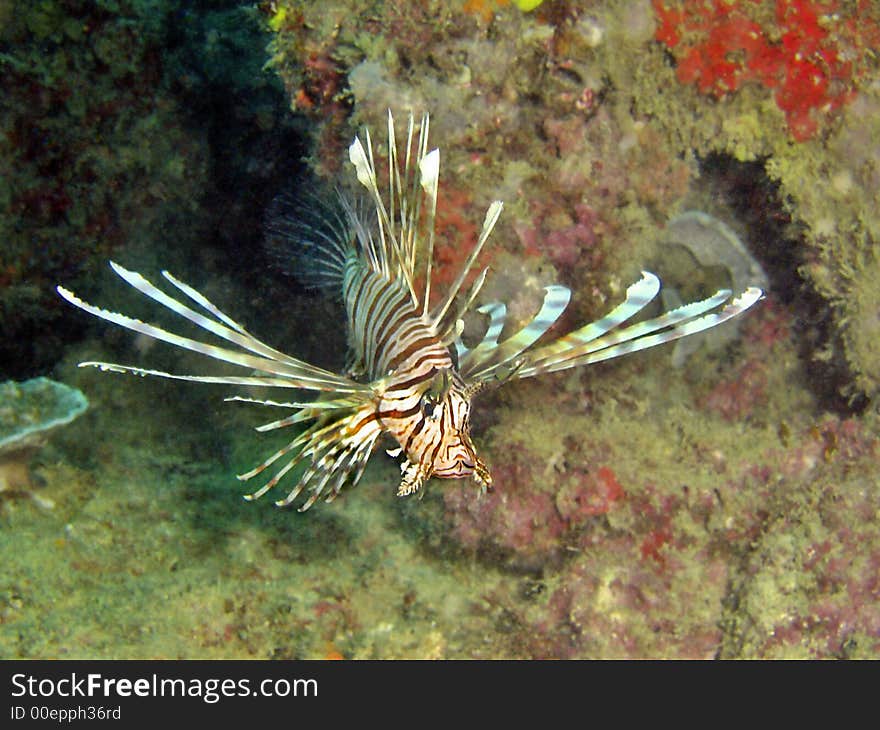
<point>158,556</point>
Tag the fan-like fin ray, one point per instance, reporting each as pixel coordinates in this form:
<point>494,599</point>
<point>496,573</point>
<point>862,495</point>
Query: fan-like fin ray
<point>236,334</point>
<point>264,359</point>
<point>247,380</point>
<point>639,336</point>
<point>482,363</point>
<point>497,312</point>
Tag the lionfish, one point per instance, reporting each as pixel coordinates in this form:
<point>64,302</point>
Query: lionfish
<point>411,376</point>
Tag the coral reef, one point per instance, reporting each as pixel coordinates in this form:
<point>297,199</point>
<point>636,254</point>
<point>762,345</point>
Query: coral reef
<point>522,114</point>
<point>720,509</point>
<point>113,142</point>
<point>590,124</point>
<point>824,95</point>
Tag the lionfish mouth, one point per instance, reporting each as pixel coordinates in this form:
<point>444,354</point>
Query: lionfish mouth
<point>457,470</point>
<point>368,254</point>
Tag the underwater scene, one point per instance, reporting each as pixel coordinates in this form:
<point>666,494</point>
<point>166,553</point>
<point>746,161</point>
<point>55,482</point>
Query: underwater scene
<point>599,379</point>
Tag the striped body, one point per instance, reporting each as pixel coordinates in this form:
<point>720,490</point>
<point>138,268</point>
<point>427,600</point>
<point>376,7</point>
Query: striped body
<point>428,418</point>
<point>387,334</point>
<point>411,377</point>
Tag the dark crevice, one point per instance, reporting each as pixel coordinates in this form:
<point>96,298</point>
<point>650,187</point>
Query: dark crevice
<point>778,244</point>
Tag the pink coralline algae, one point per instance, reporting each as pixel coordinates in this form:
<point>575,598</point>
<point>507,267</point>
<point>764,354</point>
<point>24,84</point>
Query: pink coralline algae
<point>817,565</point>
<point>746,389</point>
<point>457,233</point>
<point>566,237</point>
<point>529,525</point>
<point>810,53</point>
<point>514,520</point>
<point>631,612</point>
<point>740,395</point>
<point>588,495</point>
<point>779,558</point>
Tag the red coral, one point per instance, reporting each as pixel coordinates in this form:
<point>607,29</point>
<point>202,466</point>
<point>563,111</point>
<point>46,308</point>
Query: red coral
<point>656,512</point>
<point>457,234</point>
<point>322,83</point>
<point>802,56</point>
<point>590,495</point>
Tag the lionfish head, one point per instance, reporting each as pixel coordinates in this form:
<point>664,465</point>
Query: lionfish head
<point>442,446</point>
<point>449,423</point>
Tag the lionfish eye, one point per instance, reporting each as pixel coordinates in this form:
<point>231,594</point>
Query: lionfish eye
<point>431,406</point>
